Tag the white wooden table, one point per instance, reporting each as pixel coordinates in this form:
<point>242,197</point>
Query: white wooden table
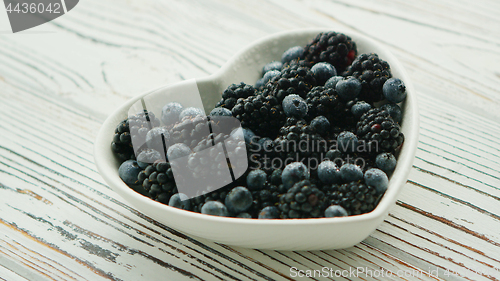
<point>59,81</point>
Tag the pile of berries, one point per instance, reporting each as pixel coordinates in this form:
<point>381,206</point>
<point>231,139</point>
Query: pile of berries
<point>318,135</point>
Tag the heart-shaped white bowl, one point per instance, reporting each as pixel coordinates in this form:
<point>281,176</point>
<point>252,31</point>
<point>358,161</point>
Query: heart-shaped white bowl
<point>279,234</point>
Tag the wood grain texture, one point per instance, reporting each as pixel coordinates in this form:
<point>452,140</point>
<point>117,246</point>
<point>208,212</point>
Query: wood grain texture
<point>60,221</point>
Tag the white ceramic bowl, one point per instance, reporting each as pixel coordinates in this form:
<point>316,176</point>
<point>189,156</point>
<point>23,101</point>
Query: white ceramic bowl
<point>290,234</point>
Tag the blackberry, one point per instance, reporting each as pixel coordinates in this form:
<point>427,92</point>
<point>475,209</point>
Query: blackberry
<point>206,168</point>
<point>334,48</point>
<point>190,131</point>
<point>122,142</point>
<point>303,200</point>
<point>296,78</point>
<point>372,72</point>
<point>295,125</point>
<point>379,131</point>
<point>158,181</point>
<point>268,196</point>
<point>217,194</point>
<point>132,130</point>
<point>232,93</point>
<point>355,197</point>
<point>139,125</point>
<point>263,115</point>
<point>207,159</point>
<point>325,101</point>
<point>299,142</point>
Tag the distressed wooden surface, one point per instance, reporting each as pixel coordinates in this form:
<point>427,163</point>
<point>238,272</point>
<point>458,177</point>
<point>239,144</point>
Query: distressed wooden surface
<point>59,81</point>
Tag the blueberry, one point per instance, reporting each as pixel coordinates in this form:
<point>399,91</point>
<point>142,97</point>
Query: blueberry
<point>148,156</point>
<point>386,162</point>
<point>293,173</point>
<point>274,65</point>
<point>322,72</point>
<point>158,138</point>
<point>348,89</point>
<point>238,200</point>
<point>335,211</point>
<point>332,82</point>
<point>244,216</point>
<point>333,154</point>
<point>359,108</point>
<point>128,172</point>
<point>292,54</point>
<point>276,177</point>
<point>269,212</point>
<point>178,150</point>
<point>256,179</point>
<point>328,172</point>
<point>244,134</point>
<point>249,136</point>
<point>351,172</point>
<point>347,141</point>
<point>294,106</point>
<point>270,75</point>
<point>180,200</point>
<point>214,208</point>
<point>170,113</point>
<point>191,112</point>
<point>394,111</point>
<point>259,83</point>
<point>321,125</point>
<point>221,111</point>
<point>377,178</point>
<point>394,90</point>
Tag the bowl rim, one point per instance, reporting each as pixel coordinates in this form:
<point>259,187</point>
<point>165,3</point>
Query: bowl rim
<point>103,154</point>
